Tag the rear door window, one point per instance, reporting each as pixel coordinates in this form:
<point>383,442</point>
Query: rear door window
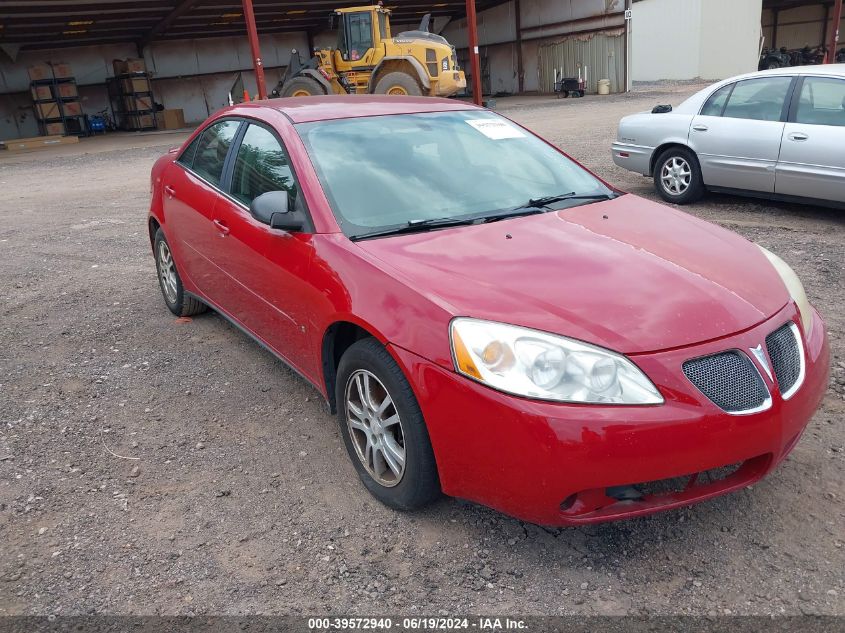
<point>822,102</point>
<point>759,99</point>
<point>211,150</point>
<point>716,103</point>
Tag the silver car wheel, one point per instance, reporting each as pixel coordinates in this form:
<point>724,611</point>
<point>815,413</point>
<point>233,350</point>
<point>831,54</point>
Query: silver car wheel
<point>167,272</point>
<point>375,428</point>
<point>676,176</point>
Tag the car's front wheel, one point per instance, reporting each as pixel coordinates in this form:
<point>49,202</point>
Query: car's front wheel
<point>383,428</point>
<point>170,283</point>
<point>677,176</point>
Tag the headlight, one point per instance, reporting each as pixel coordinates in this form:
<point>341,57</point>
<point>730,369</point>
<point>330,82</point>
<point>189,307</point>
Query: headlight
<point>795,288</point>
<point>534,364</point>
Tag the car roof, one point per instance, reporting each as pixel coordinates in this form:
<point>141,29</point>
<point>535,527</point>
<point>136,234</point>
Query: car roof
<point>820,69</point>
<point>329,107</point>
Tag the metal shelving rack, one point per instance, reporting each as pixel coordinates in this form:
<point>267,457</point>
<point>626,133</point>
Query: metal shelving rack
<point>127,118</point>
<point>73,124</point>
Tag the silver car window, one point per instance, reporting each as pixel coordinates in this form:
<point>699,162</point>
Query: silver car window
<point>822,102</point>
<point>759,99</point>
<point>716,103</point>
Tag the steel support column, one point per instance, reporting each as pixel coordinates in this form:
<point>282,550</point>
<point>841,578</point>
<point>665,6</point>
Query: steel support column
<point>474,60</point>
<point>520,69</point>
<point>834,32</point>
<point>252,33</point>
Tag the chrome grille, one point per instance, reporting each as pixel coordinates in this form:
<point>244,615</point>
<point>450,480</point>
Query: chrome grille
<point>785,352</point>
<point>729,380</point>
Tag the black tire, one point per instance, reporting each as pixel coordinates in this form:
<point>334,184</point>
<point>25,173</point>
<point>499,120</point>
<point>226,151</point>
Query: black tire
<point>174,296</point>
<point>399,81</point>
<point>772,65</point>
<point>302,87</point>
<point>419,484</point>
<point>693,190</point>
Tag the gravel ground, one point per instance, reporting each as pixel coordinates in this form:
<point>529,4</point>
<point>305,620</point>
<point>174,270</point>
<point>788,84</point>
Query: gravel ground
<point>149,465</point>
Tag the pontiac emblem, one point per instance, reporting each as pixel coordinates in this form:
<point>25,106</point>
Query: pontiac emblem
<point>761,358</point>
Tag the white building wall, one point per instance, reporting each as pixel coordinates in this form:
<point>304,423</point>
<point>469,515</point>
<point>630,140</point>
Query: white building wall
<point>707,39</point>
<point>731,46</point>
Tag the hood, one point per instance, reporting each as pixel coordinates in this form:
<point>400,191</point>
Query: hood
<point>627,274</point>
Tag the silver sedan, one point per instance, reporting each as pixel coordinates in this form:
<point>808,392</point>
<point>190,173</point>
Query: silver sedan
<point>775,134</point>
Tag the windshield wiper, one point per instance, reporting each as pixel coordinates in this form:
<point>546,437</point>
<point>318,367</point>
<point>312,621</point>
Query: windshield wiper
<point>540,205</point>
<point>547,200</point>
<point>418,226</point>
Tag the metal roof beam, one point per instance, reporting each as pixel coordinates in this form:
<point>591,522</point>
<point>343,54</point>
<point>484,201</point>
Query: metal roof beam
<point>181,9</point>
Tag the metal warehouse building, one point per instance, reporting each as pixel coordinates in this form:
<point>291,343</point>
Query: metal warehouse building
<point>195,50</point>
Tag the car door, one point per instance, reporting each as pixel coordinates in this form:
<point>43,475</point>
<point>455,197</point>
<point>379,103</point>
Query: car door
<point>738,131</point>
<point>812,153</point>
<point>267,268</point>
<point>190,189</point>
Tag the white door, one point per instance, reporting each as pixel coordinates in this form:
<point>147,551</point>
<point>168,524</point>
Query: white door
<point>738,132</point>
<point>812,154</point>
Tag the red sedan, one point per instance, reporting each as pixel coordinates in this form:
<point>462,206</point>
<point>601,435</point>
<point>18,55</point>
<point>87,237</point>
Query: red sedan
<point>489,319</point>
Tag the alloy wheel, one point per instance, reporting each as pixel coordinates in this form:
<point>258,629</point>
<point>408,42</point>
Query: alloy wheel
<point>375,428</point>
<point>676,175</point>
<point>167,272</point>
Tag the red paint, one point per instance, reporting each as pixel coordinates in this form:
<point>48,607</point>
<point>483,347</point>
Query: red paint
<point>834,32</point>
<point>628,274</point>
<point>474,61</point>
<point>255,49</point>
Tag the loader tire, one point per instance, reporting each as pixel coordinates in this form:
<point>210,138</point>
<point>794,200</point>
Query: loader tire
<point>398,83</point>
<point>302,87</point>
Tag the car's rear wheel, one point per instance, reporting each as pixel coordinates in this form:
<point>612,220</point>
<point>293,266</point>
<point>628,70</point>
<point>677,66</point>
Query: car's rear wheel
<point>170,283</point>
<point>383,428</point>
<point>677,176</point>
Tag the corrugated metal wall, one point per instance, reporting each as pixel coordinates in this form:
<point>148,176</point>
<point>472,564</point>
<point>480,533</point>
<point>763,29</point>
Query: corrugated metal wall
<point>603,54</point>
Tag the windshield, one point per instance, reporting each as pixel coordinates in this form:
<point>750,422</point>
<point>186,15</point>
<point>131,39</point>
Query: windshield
<point>388,171</point>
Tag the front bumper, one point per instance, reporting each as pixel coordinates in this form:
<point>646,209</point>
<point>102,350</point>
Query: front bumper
<point>636,158</point>
<point>552,463</point>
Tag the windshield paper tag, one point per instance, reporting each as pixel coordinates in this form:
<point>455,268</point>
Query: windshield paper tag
<point>491,128</point>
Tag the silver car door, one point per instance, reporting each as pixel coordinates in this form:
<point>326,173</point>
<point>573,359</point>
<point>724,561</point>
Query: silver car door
<point>812,154</point>
<point>738,143</point>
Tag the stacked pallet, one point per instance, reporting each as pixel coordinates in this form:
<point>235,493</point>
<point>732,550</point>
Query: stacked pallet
<point>131,95</point>
<point>55,99</point>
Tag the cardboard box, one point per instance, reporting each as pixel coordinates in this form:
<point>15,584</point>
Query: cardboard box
<point>39,72</point>
<point>131,65</point>
<point>62,71</point>
<point>55,129</point>
<point>41,93</point>
<point>171,119</point>
<point>140,121</point>
<point>137,102</point>
<point>47,110</point>
<point>137,84</point>
<point>72,108</point>
<point>66,90</point>
<point>37,142</point>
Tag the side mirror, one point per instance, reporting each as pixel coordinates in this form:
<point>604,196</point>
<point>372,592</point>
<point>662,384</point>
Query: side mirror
<point>271,208</point>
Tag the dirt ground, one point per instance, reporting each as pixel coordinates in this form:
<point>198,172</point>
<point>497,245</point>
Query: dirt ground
<point>151,466</point>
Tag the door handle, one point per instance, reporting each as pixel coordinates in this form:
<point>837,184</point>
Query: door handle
<point>221,226</point>
<point>170,191</point>
<point>798,136</point>
<point>699,127</point>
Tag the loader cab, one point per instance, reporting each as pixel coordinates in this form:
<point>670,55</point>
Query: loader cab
<point>360,31</point>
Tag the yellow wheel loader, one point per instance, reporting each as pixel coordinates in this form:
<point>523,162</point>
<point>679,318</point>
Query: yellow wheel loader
<point>369,60</point>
